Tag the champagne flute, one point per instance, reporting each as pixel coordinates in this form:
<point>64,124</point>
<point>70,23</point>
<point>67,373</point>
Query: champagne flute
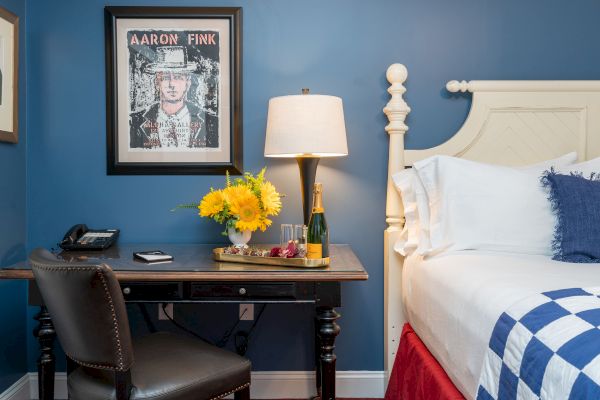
<point>287,235</point>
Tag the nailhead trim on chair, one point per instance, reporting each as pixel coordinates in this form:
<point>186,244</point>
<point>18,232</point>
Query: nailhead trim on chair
<point>100,272</point>
<point>97,366</point>
<point>230,392</point>
<point>114,317</point>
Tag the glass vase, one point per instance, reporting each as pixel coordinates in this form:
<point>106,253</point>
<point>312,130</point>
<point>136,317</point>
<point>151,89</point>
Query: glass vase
<point>237,238</point>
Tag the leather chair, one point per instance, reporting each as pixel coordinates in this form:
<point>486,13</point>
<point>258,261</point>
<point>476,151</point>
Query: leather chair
<point>89,315</point>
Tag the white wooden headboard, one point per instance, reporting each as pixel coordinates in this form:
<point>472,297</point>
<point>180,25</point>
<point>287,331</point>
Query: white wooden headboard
<point>510,123</point>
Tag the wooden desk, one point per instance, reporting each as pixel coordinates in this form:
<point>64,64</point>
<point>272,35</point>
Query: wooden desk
<point>194,277</point>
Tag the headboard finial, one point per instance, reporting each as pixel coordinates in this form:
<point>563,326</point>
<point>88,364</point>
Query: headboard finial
<point>396,73</point>
<point>396,109</point>
<point>456,86</point>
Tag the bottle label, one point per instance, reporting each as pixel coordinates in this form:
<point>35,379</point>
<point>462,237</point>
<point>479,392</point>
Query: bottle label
<point>314,250</point>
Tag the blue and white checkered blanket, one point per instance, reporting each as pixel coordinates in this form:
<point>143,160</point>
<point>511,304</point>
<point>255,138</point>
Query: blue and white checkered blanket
<point>546,346</point>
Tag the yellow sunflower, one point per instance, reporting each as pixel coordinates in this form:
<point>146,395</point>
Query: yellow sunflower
<point>265,223</point>
<point>271,200</point>
<point>247,209</point>
<point>231,193</point>
<point>213,203</point>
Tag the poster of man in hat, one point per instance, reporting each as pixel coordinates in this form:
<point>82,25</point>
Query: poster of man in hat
<point>173,90</point>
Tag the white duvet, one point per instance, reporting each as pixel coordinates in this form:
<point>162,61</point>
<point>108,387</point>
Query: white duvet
<point>453,301</point>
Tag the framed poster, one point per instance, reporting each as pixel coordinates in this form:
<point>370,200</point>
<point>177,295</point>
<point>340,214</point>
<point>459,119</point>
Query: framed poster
<point>9,76</point>
<point>174,82</point>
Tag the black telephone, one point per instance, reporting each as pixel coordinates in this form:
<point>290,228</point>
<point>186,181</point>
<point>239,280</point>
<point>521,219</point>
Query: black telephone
<point>79,237</point>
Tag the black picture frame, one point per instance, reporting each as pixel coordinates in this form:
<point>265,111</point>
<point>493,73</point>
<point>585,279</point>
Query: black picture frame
<point>117,164</point>
<point>9,77</point>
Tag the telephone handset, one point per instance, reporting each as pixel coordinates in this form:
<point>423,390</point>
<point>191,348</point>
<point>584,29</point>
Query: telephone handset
<point>79,237</point>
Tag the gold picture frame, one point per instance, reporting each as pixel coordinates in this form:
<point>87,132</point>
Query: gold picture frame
<point>9,76</point>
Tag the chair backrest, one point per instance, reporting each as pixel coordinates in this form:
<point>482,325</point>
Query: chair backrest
<point>88,311</point>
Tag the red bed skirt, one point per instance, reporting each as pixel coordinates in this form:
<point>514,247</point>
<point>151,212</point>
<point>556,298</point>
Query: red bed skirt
<point>416,374</point>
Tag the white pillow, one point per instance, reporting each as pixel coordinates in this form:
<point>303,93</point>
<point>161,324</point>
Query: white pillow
<point>415,235</point>
<point>408,241</point>
<point>585,167</point>
<point>424,245</point>
<point>481,206</point>
<point>567,159</point>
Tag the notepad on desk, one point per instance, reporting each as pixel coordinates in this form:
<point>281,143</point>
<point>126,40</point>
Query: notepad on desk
<point>153,256</point>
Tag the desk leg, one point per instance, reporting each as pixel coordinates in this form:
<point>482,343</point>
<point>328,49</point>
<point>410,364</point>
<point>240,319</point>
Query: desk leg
<point>328,329</point>
<point>317,359</point>
<point>46,362</point>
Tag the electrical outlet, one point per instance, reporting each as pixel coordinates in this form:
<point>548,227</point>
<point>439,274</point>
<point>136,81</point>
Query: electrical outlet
<point>161,312</point>
<point>246,312</point>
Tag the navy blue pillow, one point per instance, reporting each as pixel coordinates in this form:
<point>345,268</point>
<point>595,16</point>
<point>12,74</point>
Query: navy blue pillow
<point>576,203</point>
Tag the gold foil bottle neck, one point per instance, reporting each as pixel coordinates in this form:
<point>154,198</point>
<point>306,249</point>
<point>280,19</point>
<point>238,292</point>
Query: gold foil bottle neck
<point>318,198</point>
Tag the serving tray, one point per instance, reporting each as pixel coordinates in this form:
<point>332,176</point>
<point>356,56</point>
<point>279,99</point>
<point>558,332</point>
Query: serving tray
<point>219,255</point>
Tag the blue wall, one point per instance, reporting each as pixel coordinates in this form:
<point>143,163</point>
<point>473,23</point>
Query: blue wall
<point>13,165</point>
<point>13,346</point>
<point>339,47</point>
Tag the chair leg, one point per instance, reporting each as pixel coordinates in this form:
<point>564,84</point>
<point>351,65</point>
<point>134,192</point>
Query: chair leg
<point>123,384</point>
<point>243,394</point>
<point>71,366</point>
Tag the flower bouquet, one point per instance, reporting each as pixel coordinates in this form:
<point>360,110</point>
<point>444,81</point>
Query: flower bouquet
<point>242,206</point>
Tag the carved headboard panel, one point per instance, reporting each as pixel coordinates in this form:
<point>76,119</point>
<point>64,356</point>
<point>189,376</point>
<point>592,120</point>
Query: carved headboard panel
<point>523,122</point>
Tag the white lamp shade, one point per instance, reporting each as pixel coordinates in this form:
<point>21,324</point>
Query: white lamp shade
<point>306,125</point>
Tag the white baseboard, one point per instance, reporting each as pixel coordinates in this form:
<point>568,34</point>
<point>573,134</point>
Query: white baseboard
<point>265,385</point>
<point>18,390</point>
<point>301,384</point>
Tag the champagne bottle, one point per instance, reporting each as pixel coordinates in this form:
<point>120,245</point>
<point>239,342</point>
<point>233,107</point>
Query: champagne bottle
<point>318,235</point>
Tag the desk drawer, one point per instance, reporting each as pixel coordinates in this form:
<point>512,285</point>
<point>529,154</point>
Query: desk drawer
<point>152,291</point>
<point>242,290</point>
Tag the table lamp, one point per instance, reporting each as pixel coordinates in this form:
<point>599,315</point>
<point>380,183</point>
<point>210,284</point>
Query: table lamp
<point>306,127</point>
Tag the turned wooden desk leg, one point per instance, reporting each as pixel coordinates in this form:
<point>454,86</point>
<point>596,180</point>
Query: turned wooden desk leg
<point>317,359</point>
<point>45,334</point>
<point>328,330</point>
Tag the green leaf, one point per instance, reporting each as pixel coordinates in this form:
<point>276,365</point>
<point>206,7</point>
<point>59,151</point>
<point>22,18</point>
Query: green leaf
<point>188,205</point>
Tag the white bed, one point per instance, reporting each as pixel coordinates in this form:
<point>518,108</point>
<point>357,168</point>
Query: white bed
<point>453,301</point>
